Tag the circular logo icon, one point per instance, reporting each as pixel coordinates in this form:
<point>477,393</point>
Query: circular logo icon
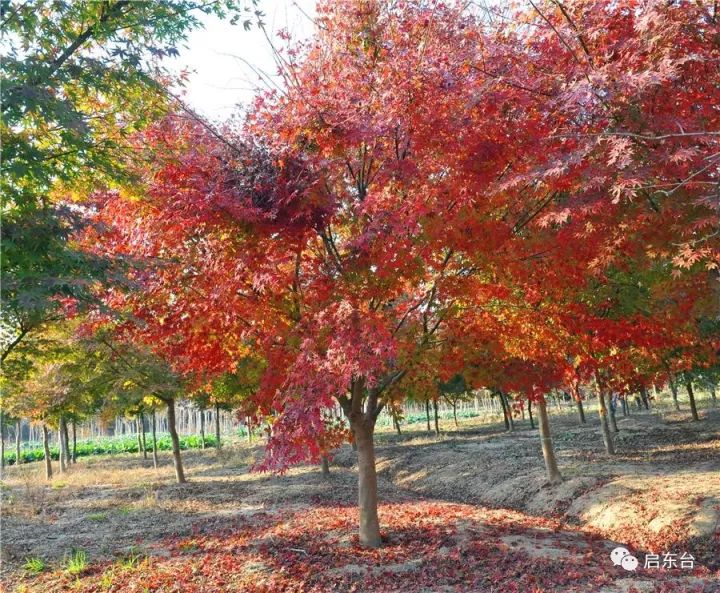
<point>617,555</point>
<point>629,562</point>
<point>621,557</point>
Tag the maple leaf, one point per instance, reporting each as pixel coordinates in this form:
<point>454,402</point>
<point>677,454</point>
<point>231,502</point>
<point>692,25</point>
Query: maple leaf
<point>621,152</point>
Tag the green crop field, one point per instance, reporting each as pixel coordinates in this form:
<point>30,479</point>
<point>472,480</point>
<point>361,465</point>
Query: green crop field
<point>107,445</point>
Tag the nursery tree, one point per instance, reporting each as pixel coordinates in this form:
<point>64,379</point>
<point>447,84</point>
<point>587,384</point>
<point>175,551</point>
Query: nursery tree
<point>425,182</point>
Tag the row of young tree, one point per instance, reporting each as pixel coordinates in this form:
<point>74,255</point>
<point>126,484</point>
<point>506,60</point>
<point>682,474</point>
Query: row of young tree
<point>65,376</point>
<point>527,200</point>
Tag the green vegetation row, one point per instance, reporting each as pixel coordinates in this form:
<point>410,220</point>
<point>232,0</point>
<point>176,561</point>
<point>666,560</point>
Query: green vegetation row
<point>420,417</point>
<point>110,445</point>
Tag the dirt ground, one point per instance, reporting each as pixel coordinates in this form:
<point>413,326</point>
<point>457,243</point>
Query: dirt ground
<point>660,494</point>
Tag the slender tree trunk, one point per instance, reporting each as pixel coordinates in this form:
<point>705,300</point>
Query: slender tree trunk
<point>179,473</point>
<point>73,451</point>
<point>202,429</point>
<point>613,419</point>
<point>396,423</point>
<point>217,426</point>
<point>532,423</point>
<point>508,409</point>
<point>454,407</point>
<point>248,425</point>
<point>154,440</point>
<point>691,396</point>
<point>142,432</point>
<point>435,412</point>
<point>553,473</point>
<point>18,437</point>
<point>644,397</point>
<point>623,403</point>
<point>2,442</point>
<point>367,485</point>
<point>713,395</point>
<point>504,410</point>
<point>325,465</point>
<point>581,411</point>
<point>427,414</point>
<point>46,449</point>
<point>138,434</point>
<point>674,391</point>
<point>607,437</point>
<point>66,434</point>
<point>63,450</point>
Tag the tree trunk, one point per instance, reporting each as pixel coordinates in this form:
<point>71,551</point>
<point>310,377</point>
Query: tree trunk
<point>454,407</point>
<point>509,411</point>
<point>691,396</point>
<point>46,449</point>
<point>623,403</point>
<point>18,436</point>
<point>644,397</point>
<point>138,433</point>
<point>613,419</point>
<point>673,390</point>
<point>325,465</point>
<point>581,411</point>
<point>532,423</point>
<point>202,429</point>
<point>553,473</point>
<point>66,434</point>
<point>367,485</point>
<point>607,437</point>
<point>396,423</point>
<point>217,426</point>
<point>179,473</point>
<point>427,414</point>
<point>63,450</point>
<point>142,432</point>
<point>73,452</point>
<point>713,395</point>
<point>2,442</point>
<point>435,413</point>
<point>504,410</point>
<point>154,440</point>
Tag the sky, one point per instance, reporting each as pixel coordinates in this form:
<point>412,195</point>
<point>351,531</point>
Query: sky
<point>221,56</point>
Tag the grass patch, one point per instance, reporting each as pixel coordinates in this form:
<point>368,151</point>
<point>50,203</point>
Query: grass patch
<point>107,579</point>
<point>97,517</point>
<point>76,562</point>
<point>133,560</point>
<point>34,565</point>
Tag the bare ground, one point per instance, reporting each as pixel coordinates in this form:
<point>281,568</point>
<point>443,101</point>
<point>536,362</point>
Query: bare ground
<point>662,486</point>
<point>661,493</point>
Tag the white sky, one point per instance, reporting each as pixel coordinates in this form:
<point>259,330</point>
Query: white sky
<point>219,79</point>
